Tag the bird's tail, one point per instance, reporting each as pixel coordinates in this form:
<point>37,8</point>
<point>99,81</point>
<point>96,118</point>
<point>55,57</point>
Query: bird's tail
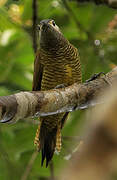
<point>47,140</point>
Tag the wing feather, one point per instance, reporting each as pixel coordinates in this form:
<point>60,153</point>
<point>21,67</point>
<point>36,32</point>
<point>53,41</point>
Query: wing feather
<point>38,72</point>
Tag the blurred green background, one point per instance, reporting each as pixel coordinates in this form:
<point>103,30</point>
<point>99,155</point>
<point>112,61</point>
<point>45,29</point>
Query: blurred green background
<point>92,29</point>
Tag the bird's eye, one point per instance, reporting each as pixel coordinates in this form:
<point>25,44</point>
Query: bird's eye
<point>53,23</point>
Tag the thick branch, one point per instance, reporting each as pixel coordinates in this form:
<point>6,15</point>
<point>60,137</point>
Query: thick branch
<point>43,103</point>
<point>110,3</point>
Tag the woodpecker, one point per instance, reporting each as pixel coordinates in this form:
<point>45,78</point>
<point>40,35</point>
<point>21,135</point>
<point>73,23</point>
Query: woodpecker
<point>57,62</point>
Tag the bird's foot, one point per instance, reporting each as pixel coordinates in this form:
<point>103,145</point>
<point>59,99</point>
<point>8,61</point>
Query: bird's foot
<point>60,86</point>
<point>95,76</point>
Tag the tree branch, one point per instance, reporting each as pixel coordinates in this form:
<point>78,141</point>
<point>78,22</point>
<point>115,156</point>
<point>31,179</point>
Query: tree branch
<point>43,103</point>
<point>110,3</point>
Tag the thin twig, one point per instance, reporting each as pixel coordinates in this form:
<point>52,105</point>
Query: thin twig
<point>82,29</point>
<point>52,177</point>
<point>34,19</point>
<point>29,166</point>
<point>78,24</point>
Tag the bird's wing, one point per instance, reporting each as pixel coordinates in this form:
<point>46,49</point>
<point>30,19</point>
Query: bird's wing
<point>38,72</point>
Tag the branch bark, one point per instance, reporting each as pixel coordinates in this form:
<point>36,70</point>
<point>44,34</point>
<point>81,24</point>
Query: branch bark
<point>43,103</point>
<point>110,3</point>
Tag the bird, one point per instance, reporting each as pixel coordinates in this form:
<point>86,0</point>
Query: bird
<point>57,62</point>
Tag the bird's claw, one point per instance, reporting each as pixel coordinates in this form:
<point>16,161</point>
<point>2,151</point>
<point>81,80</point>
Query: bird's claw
<point>60,86</point>
<point>95,76</point>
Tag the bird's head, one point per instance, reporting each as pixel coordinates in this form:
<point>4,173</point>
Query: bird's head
<point>50,35</point>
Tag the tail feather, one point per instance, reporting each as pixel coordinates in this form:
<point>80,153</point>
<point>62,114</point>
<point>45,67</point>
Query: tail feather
<point>43,157</point>
<point>47,142</point>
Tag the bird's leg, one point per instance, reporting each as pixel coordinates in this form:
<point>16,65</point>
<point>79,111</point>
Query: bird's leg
<point>36,140</point>
<point>95,76</point>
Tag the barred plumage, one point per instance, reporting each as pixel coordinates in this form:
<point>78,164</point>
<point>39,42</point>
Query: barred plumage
<point>57,62</point>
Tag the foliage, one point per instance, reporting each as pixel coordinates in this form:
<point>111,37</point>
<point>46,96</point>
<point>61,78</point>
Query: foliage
<point>92,29</point>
